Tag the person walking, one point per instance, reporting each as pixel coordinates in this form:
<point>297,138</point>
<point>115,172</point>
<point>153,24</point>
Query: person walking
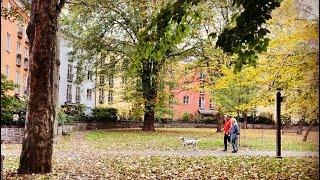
<point>234,132</point>
<point>226,130</point>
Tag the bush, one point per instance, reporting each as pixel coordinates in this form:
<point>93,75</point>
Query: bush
<point>186,116</point>
<point>61,116</point>
<point>256,120</point>
<point>208,120</point>
<point>7,118</point>
<point>105,114</point>
<point>67,118</point>
<point>70,119</point>
<point>163,120</point>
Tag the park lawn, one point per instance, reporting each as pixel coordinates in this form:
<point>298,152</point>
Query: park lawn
<point>135,167</point>
<point>168,139</point>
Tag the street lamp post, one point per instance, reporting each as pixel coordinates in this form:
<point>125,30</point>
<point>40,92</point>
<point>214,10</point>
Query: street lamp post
<point>279,99</point>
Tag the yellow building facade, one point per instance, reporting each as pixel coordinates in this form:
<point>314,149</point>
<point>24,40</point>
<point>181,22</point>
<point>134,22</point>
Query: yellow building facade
<point>110,90</point>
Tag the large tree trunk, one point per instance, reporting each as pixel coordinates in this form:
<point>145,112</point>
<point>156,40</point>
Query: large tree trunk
<point>219,122</point>
<point>307,131</point>
<point>36,154</point>
<point>148,119</point>
<point>300,126</point>
<point>245,117</point>
<point>149,78</point>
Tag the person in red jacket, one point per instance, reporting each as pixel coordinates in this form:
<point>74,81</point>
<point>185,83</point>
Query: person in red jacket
<point>226,131</point>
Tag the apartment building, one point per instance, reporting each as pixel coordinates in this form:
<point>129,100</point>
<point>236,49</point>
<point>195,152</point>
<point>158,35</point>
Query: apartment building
<point>15,48</point>
<point>111,88</point>
<point>72,94</point>
<point>190,95</point>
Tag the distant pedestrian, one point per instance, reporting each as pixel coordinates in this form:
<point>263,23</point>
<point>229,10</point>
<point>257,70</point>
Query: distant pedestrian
<point>226,131</point>
<point>234,132</point>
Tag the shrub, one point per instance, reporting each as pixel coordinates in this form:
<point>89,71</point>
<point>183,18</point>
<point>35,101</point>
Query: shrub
<point>61,116</point>
<point>186,116</point>
<point>256,120</point>
<point>208,120</point>
<point>163,120</point>
<point>70,119</point>
<point>105,114</point>
<point>7,117</point>
<point>67,118</point>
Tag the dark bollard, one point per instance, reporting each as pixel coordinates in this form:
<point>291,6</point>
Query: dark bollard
<point>279,99</point>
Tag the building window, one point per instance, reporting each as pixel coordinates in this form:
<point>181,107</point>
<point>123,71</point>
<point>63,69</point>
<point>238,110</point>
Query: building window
<point>26,63</point>
<point>101,96</point>
<point>69,93</point>
<point>89,93</point>
<point>8,42</point>
<point>18,60</point>
<point>124,80</point>
<point>201,102</point>
<point>111,81</point>
<point>171,101</point>
<point>20,31</point>
<point>201,88</point>
<point>18,48</point>
<point>89,75</point>
<point>17,82</point>
<point>101,80</point>
<point>78,94</point>
<point>185,99</point>
<point>70,75</point>
<point>7,71</point>
<point>110,97</point>
<point>26,53</point>
<point>211,104</point>
<point>25,84</point>
<point>202,75</point>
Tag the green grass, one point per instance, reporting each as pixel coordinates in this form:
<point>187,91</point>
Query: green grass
<point>168,139</point>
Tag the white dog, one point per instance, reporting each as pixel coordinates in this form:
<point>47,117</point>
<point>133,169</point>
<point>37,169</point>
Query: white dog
<point>193,142</point>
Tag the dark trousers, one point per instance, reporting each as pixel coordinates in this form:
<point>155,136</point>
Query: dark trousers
<point>226,139</point>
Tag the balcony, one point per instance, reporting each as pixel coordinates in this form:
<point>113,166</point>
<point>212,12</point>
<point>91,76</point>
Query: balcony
<point>18,60</point>
<point>19,34</point>
<point>26,64</point>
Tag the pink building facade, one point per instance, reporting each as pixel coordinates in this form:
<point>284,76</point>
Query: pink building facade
<point>194,99</point>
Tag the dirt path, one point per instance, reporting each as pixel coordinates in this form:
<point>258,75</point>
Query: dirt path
<point>175,153</point>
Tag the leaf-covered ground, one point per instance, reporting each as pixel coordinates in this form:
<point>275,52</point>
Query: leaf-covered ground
<point>132,154</point>
<point>135,167</point>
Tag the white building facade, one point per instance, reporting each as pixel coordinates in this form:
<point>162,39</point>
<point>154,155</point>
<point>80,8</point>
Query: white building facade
<point>71,93</point>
